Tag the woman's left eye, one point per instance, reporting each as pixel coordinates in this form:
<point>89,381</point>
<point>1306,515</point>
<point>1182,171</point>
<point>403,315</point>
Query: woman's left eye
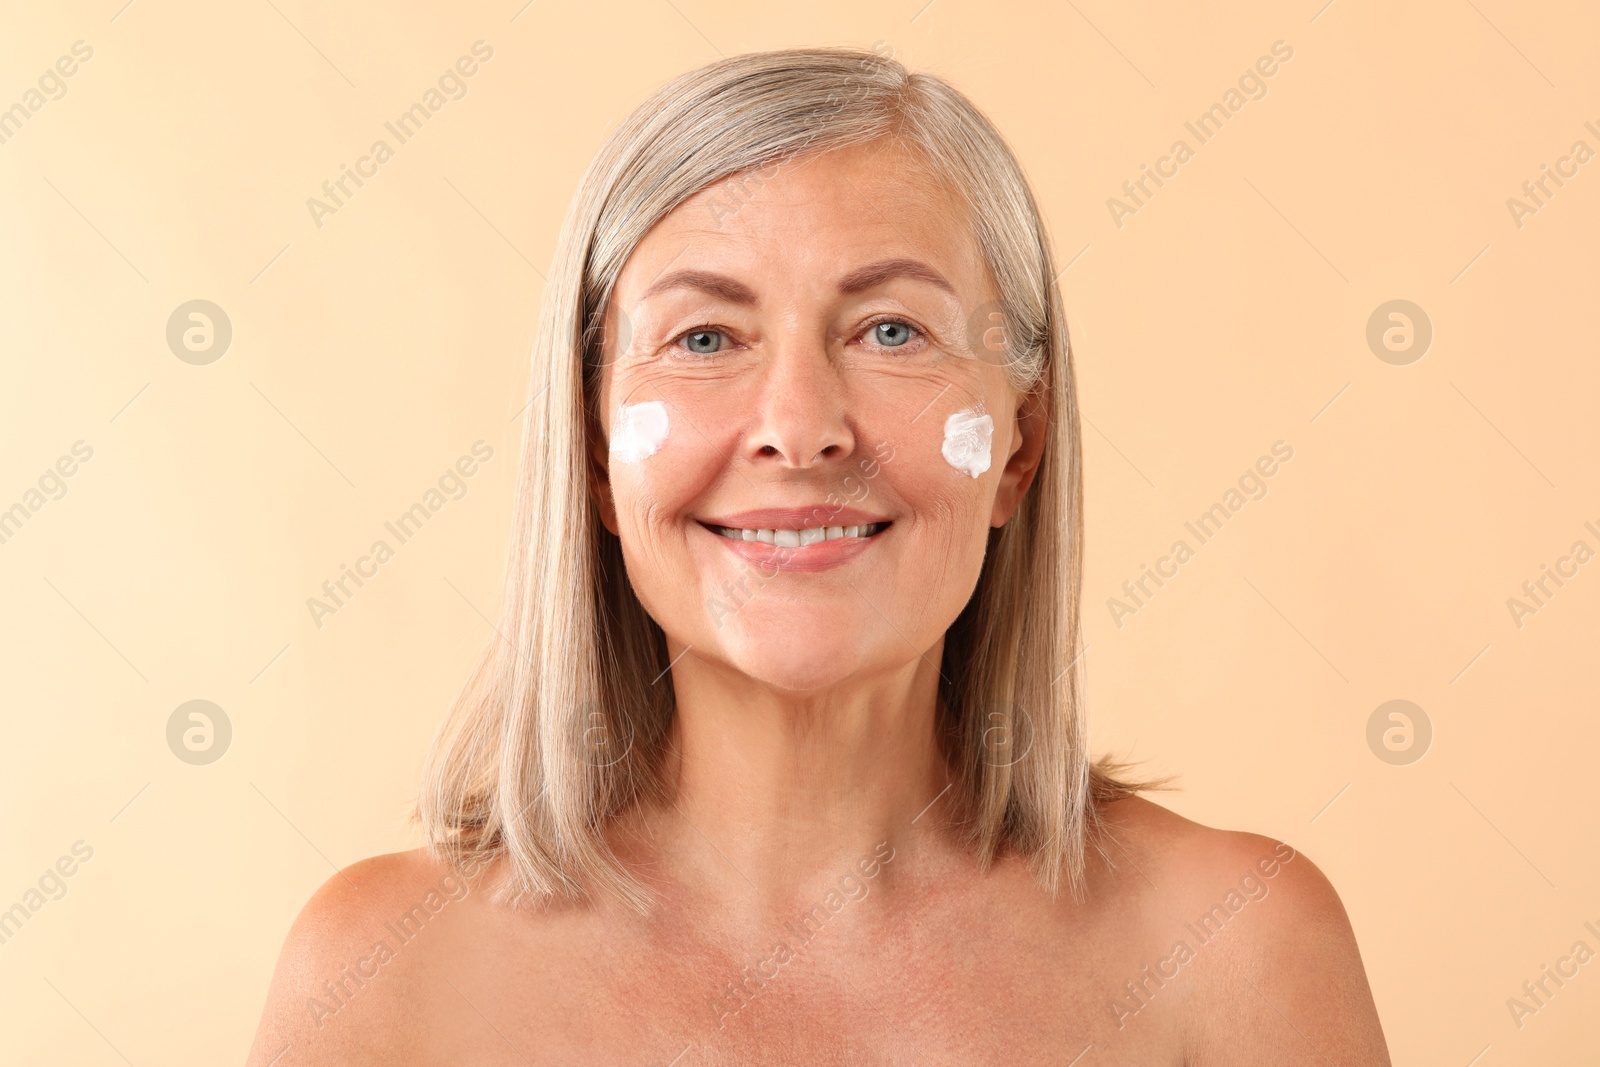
<point>892,333</point>
<point>703,342</point>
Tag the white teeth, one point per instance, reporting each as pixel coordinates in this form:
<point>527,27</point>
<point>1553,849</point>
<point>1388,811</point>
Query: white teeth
<point>811,535</point>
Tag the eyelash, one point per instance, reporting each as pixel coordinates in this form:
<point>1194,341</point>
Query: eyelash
<point>917,332</point>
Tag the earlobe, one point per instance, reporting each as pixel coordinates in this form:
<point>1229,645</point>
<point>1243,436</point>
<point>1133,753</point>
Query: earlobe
<point>600,483</point>
<point>601,495</point>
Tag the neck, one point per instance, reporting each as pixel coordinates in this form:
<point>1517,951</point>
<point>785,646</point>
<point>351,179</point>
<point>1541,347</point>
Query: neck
<point>774,792</point>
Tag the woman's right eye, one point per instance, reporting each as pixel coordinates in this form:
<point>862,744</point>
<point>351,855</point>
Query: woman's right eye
<point>702,342</point>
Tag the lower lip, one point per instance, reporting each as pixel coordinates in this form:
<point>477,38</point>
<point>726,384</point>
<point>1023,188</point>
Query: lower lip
<point>817,557</point>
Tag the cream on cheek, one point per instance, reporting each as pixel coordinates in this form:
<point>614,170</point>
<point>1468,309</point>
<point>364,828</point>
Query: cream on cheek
<point>639,431</point>
<point>968,439</point>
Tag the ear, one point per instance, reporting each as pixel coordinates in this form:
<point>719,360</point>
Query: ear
<point>600,472</point>
<point>1027,448</point>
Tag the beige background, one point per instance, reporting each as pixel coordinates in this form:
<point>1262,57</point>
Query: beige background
<point>1228,313</point>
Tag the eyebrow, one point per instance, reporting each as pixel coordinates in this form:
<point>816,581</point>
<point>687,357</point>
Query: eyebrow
<point>878,273</point>
<point>858,280</point>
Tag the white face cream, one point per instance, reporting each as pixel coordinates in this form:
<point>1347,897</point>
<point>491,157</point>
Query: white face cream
<point>638,431</point>
<point>967,435</point>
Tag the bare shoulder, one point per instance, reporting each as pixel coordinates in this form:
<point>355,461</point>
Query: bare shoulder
<point>1261,935</point>
<point>349,960</point>
<point>1193,860</point>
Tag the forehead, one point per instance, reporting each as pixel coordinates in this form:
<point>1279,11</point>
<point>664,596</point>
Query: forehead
<point>819,215</point>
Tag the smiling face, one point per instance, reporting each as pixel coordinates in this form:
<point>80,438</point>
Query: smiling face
<point>804,443</point>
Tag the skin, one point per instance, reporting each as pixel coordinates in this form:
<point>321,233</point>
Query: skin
<point>805,775</point>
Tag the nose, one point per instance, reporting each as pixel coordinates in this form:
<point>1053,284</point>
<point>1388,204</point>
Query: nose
<point>801,419</point>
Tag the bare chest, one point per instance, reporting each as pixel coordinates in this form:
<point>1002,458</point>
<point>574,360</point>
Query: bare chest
<point>917,994</point>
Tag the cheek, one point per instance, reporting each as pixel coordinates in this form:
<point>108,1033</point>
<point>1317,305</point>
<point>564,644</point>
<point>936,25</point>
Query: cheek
<point>661,462</point>
<point>638,431</point>
<point>928,465</point>
<point>645,441</point>
<point>968,444</point>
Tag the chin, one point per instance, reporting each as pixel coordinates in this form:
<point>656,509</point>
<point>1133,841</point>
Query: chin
<point>788,661</point>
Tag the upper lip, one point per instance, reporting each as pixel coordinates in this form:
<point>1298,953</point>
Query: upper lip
<point>794,518</point>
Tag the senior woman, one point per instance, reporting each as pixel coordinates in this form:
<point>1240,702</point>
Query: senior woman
<point>779,754</point>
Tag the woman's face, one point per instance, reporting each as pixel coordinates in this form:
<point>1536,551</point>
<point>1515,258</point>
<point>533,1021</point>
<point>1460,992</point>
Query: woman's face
<point>807,425</point>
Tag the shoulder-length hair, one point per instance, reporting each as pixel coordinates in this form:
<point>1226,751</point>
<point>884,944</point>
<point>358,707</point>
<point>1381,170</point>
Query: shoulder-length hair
<point>561,726</point>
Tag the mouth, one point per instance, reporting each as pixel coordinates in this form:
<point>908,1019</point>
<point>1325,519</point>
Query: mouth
<point>802,537</point>
<point>798,540</point>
